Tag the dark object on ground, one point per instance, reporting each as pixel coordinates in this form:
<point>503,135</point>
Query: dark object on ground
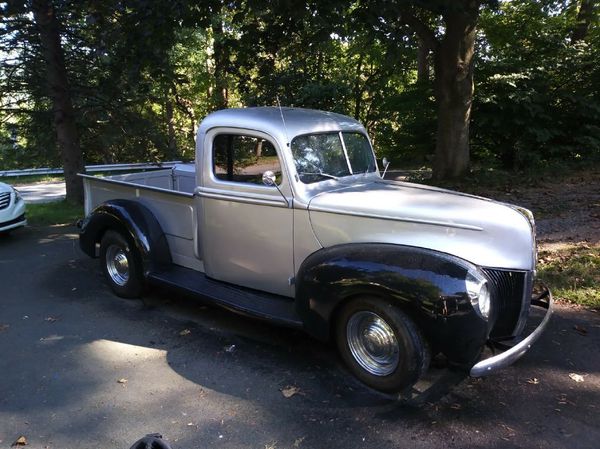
<point>151,441</point>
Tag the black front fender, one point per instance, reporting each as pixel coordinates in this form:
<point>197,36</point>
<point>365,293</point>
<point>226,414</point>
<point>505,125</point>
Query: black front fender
<point>427,285</point>
<point>135,221</point>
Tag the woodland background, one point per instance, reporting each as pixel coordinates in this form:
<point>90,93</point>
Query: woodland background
<point>109,81</point>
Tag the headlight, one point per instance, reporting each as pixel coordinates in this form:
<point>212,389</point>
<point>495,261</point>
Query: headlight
<point>479,293</point>
<point>17,195</point>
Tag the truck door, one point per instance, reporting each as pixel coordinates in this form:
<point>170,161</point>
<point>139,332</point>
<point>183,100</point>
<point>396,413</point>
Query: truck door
<point>246,227</point>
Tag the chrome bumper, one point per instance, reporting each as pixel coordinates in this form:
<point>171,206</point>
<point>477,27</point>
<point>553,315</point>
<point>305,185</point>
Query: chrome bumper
<point>487,366</point>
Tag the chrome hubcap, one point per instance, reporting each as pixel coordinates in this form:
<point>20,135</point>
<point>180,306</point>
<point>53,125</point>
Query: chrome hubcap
<point>373,343</point>
<point>117,265</point>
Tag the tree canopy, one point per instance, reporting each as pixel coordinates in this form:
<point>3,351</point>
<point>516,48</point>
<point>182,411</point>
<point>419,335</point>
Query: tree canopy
<point>140,75</point>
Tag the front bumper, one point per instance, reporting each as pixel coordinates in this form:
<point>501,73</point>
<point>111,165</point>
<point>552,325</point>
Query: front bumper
<point>12,224</point>
<point>519,346</point>
<point>13,215</point>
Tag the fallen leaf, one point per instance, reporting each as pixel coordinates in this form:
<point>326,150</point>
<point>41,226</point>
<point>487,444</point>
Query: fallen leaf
<point>533,381</point>
<point>299,441</point>
<point>290,391</point>
<point>52,338</point>
<point>185,332</point>
<point>21,441</point>
<point>122,381</point>
<point>576,377</point>
<point>580,330</point>
<point>4,327</point>
<point>51,319</point>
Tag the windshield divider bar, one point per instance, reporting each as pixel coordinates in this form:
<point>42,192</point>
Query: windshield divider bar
<point>345,152</point>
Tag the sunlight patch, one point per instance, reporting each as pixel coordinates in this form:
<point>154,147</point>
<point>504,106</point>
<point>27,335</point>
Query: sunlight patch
<point>118,352</point>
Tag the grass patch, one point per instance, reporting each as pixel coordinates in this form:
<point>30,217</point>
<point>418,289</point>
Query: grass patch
<point>573,274</point>
<point>25,180</point>
<point>56,213</point>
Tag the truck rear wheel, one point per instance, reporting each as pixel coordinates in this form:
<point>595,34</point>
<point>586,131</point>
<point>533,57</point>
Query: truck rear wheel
<point>381,345</point>
<point>121,265</point>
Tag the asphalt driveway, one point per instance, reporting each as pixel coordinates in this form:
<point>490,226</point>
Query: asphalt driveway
<point>81,368</point>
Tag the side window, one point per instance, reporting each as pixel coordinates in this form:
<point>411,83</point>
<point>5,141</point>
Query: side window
<point>241,158</point>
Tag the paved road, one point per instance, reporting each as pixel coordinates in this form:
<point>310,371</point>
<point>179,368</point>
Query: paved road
<point>43,192</point>
<point>207,378</point>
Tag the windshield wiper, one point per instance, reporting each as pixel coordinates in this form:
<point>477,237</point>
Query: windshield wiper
<point>325,175</point>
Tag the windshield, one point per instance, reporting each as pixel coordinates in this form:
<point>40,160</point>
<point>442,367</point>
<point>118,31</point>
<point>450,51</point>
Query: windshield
<point>332,155</point>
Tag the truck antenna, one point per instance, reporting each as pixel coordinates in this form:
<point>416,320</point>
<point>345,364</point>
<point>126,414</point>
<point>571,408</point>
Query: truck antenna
<point>283,120</point>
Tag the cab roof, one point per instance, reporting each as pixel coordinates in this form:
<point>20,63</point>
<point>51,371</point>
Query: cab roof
<point>298,121</point>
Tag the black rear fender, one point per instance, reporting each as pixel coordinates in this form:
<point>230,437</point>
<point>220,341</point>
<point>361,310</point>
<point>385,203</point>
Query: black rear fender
<point>136,222</point>
<point>427,285</point>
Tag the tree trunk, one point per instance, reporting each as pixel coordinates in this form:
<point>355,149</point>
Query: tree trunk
<point>60,94</point>
<point>423,62</point>
<point>358,91</point>
<point>258,148</point>
<point>171,138</point>
<point>454,91</point>
<point>221,56</point>
<point>585,15</point>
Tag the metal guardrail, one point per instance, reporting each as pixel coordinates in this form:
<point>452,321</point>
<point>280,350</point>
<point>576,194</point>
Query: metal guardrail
<point>91,168</point>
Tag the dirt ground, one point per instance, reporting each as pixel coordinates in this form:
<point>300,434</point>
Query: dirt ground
<point>567,211</point>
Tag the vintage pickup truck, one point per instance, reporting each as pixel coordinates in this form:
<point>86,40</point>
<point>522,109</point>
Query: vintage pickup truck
<point>285,216</point>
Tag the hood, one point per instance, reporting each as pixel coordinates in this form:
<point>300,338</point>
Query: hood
<point>481,231</point>
<point>5,188</point>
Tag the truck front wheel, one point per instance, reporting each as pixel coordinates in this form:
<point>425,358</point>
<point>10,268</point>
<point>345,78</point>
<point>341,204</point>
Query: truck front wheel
<point>381,345</point>
<point>121,265</point>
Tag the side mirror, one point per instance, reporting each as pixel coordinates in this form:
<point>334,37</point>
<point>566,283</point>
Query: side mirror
<point>386,164</point>
<point>269,179</point>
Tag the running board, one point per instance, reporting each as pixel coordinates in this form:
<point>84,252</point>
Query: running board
<point>279,309</point>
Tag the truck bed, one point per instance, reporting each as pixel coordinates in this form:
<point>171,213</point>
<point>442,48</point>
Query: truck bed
<point>169,194</point>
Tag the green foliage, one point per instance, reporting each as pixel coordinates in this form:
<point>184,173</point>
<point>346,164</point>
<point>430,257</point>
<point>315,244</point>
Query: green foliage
<point>143,77</point>
<point>407,136</point>
<point>538,97</point>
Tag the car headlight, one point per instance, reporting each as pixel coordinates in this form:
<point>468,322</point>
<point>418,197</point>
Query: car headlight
<point>479,293</point>
<point>18,196</point>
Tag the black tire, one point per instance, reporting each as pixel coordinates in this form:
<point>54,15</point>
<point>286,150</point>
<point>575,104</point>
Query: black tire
<point>405,356</point>
<point>121,265</point>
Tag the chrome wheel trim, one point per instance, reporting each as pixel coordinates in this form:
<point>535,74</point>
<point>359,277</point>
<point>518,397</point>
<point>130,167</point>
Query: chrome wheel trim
<point>373,343</point>
<point>117,265</point>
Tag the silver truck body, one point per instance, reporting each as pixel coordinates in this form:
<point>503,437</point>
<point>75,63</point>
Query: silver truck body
<point>312,244</point>
<point>251,236</point>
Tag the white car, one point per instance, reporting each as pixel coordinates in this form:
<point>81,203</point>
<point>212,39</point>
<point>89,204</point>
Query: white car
<point>12,208</point>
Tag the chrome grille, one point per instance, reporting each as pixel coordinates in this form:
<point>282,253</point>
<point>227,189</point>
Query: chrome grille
<point>510,293</point>
<point>4,200</point>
